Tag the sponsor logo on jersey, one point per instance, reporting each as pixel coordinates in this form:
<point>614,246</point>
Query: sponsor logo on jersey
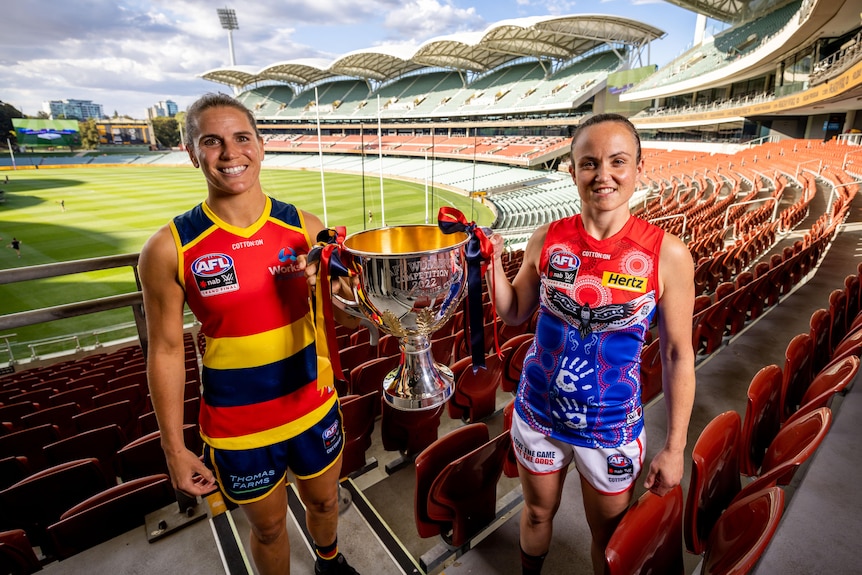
<point>624,282</point>
<point>635,415</point>
<point>563,267</point>
<point>332,436</point>
<point>215,274</point>
<point>288,268</point>
<point>619,464</point>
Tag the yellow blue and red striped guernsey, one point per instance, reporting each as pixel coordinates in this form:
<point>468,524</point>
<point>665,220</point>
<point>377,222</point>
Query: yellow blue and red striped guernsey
<point>264,378</point>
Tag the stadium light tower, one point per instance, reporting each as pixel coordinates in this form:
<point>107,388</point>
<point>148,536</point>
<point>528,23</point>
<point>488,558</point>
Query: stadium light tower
<point>227,17</point>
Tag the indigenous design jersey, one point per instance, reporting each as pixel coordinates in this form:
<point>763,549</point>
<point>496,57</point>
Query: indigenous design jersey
<point>263,380</point>
<point>581,378</point>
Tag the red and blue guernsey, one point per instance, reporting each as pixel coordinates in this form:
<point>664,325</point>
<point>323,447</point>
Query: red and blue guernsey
<point>264,380</point>
<point>581,378</point>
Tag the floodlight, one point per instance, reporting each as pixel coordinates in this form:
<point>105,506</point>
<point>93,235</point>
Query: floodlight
<point>227,17</point>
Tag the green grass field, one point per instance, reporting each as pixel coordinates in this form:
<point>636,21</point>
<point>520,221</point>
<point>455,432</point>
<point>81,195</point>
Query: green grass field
<point>113,210</point>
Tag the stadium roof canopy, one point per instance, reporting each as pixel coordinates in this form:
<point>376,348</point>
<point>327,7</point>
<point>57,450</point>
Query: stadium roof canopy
<point>556,38</point>
<point>730,10</point>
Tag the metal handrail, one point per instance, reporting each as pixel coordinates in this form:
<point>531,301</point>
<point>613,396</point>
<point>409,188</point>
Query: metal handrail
<point>133,300</point>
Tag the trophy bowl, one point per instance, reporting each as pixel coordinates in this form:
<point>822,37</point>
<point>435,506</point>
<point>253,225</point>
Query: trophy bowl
<point>412,279</point>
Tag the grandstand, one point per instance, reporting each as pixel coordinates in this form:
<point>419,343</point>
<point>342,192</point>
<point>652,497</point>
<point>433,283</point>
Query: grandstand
<point>751,143</point>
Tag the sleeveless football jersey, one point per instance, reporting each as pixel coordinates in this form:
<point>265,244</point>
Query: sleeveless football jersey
<point>263,377</point>
<point>581,378</point>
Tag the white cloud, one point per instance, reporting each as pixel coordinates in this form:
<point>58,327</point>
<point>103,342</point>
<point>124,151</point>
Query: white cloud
<point>419,20</point>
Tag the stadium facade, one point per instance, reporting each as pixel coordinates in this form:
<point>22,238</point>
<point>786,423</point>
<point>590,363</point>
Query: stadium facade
<point>788,69</point>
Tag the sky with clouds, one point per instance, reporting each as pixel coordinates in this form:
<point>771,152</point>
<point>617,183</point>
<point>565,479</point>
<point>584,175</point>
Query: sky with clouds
<point>129,54</point>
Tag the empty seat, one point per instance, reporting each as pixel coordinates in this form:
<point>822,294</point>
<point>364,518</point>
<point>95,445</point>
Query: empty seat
<point>651,371</point>
<point>59,415</point>
<point>796,373</point>
<point>833,379</point>
<point>109,513</point>
<point>369,376</point>
<point>714,478</point>
<point>408,432</point>
<point>358,415</point>
<point>144,456</point>
<point>514,351</point>
<point>648,539</point>
<point>41,498</point>
<point>475,394</point>
<point>819,330</point>
<point>797,441</point>
<point>83,396</point>
<point>29,443</point>
<point>464,493</point>
<point>743,532</point>
<point>119,413</point>
<point>16,553</point>
<point>431,462</point>
<point>762,418</point>
<point>102,443</point>
<point>12,470</point>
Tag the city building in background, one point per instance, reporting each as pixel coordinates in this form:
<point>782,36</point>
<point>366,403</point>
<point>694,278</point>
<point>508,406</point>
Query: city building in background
<point>73,110</point>
<point>164,109</point>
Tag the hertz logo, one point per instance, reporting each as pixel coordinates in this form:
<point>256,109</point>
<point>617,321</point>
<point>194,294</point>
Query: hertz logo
<point>624,282</point>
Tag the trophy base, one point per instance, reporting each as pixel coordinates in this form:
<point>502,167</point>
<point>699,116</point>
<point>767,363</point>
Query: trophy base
<point>419,390</point>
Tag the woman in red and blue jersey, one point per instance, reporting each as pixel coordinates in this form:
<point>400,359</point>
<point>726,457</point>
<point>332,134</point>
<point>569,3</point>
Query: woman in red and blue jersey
<point>598,279</point>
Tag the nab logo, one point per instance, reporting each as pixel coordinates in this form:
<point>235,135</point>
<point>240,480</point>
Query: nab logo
<point>212,264</point>
<point>619,464</point>
<point>565,262</point>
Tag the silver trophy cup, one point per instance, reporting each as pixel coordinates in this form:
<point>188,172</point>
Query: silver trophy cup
<point>411,281</point>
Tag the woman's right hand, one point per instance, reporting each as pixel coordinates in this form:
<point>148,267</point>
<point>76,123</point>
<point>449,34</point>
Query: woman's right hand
<point>189,474</point>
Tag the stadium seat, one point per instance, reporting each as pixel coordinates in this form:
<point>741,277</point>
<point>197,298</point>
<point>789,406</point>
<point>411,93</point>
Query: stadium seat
<point>59,415</point>
<point>29,443</point>
<point>16,553</point>
<point>101,443</point>
<point>465,491</point>
<point>797,441</point>
<point>714,478</point>
<point>762,418</point>
<point>432,461</point>
<point>12,470</point>
<point>648,539</point>
<point>510,465</point>
<point>742,533</point>
<point>833,379</point>
<point>358,416</point>
<point>796,374</point>
<point>651,371</point>
<point>369,376</point>
<point>83,396</point>
<point>119,413</point>
<point>475,395</point>
<point>144,456</point>
<point>408,432</point>
<point>109,513</point>
<point>820,325</point>
<point>40,499</point>
<point>514,351</point>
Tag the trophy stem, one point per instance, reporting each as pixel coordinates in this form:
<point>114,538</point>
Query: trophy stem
<point>419,382</point>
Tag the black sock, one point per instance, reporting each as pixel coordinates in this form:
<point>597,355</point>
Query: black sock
<point>326,554</point>
<point>531,564</point>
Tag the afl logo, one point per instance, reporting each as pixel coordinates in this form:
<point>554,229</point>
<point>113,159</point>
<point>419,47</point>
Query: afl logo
<point>563,268</point>
<point>212,265</point>
<point>619,464</point>
<point>565,262</point>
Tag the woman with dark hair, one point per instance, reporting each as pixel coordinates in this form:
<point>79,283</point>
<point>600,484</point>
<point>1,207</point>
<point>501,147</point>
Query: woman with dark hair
<point>268,403</point>
<point>598,278</point>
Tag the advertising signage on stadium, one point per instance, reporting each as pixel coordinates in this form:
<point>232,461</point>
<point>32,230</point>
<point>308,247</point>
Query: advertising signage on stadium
<point>53,133</point>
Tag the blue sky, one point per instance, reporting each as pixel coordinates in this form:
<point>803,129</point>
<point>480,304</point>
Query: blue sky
<point>129,54</point>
